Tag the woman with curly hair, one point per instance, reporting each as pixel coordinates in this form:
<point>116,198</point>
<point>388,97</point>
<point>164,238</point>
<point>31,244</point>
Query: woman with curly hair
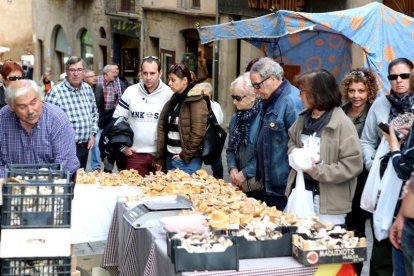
<point>359,90</point>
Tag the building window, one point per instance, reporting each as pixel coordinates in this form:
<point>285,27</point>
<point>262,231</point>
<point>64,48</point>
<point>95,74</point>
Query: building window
<point>195,4</point>
<point>87,49</point>
<point>116,6</point>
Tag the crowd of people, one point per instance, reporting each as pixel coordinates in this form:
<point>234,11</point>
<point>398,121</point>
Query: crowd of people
<point>154,126</point>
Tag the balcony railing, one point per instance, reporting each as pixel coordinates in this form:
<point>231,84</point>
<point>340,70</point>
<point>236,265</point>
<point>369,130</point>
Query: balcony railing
<point>120,6</point>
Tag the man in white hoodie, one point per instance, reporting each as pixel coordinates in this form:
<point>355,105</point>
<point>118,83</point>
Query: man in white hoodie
<point>141,105</point>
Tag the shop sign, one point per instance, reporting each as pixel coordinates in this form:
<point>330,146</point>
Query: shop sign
<point>125,27</point>
<point>292,5</point>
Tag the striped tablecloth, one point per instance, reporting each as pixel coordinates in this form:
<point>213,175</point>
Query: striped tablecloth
<point>133,252</point>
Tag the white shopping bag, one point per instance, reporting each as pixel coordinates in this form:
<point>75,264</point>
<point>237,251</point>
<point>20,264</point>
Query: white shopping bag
<point>300,201</point>
<point>388,197</point>
<point>369,195</point>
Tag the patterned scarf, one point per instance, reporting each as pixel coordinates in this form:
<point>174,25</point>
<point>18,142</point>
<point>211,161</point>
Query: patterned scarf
<point>243,120</point>
<point>400,104</point>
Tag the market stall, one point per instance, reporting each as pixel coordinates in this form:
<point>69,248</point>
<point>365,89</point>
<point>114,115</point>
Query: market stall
<point>136,246</point>
<point>143,251</point>
<point>323,40</point>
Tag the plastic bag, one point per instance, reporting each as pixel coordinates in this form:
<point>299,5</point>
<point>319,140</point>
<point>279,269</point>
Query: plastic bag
<point>300,201</point>
<point>301,158</point>
<point>388,197</point>
<point>370,195</point>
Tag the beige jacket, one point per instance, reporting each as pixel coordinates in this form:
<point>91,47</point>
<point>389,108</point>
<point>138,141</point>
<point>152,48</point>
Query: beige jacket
<point>341,162</point>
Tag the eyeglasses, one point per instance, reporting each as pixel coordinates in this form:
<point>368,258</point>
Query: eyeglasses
<point>403,76</point>
<point>256,85</point>
<point>14,78</point>
<point>238,98</point>
<point>77,70</point>
<point>150,57</point>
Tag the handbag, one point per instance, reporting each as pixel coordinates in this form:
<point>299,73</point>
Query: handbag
<point>251,185</point>
<point>214,139</point>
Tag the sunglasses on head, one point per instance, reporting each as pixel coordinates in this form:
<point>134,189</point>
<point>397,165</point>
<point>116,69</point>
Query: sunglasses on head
<point>175,67</point>
<point>403,76</point>
<point>14,78</point>
<point>358,73</point>
<point>150,57</point>
<point>237,97</point>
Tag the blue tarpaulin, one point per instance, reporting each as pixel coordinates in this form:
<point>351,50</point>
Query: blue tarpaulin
<point>323,40</point>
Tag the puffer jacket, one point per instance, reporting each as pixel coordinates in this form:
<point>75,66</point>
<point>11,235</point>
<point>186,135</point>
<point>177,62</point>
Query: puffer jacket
<point>192,124</point>
<point>115,136</point>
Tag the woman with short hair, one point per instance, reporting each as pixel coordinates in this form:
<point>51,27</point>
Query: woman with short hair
<point>332,178</point>
<point>243,131</point>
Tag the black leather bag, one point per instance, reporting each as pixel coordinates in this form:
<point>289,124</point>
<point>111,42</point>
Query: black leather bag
<point>214,139</point>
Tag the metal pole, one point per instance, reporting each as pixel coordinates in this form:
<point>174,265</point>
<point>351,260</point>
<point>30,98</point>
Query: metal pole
<point>216,58</point>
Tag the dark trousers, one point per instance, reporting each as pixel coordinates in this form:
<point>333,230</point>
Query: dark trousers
<point>381,258</point>
<point>82,153</point>
<point>356,219</point>
<point>217,169</point>
<point>279,201</point>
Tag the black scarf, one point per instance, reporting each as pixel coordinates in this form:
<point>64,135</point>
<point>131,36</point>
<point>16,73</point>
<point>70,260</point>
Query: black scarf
<point>312,125</point>
<point>243,120</point>
<point>173,110</point>
<point>400,104</point>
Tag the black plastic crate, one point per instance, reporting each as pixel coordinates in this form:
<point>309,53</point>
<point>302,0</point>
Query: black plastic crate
<point>280,247</point>
<point>59,266</point>
<point>36,199</point>
<point>47,166</point>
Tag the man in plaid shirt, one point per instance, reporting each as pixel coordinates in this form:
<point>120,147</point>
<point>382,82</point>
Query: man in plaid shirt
<point>107,95</point>
<point>77,100</point>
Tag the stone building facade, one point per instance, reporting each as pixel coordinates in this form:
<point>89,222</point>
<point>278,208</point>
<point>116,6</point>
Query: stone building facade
<point>16,29</point>
<point>100,31</point>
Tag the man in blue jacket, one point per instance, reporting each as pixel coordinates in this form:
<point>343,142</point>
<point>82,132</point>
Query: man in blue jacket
<point>281,107</point>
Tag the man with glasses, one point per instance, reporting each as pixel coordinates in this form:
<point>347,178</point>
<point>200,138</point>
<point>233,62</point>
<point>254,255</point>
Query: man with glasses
<point>141,104</point>
<point>77,100</point>
<point>281,107</point>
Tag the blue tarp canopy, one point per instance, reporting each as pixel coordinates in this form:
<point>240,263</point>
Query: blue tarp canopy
<point>323,40</point>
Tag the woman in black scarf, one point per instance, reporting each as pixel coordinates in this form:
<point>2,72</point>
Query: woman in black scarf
<point>385,109</point>
<point>243,131</point>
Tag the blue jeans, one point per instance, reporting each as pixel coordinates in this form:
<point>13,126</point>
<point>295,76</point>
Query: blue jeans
<point>190,168</point>
<point>407,246</point>
<point>397,262</point>
<point>96,153</point>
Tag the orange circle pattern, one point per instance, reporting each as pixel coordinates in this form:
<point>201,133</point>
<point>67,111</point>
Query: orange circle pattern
<point>356,22</point>
<point>389,53</point>
<point>294,39</point>
<point>319,42</point>
<point>312,59</point>
<point>332,43</point>
<point>302,23</point>
<point>392,18</point>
